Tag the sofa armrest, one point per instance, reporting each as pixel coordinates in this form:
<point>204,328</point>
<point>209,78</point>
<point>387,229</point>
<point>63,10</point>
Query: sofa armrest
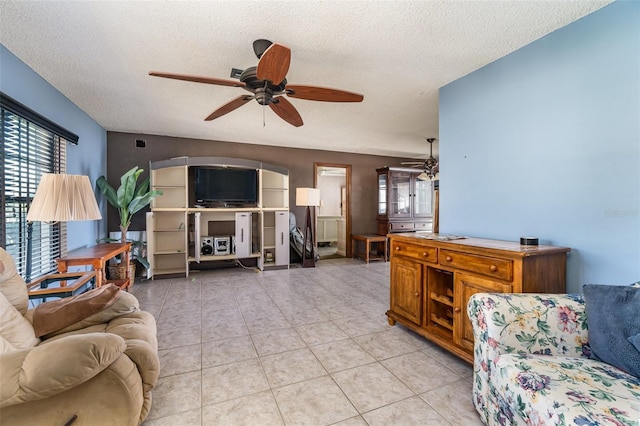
<point>139,331</point>
<point>548,324</point>
<point>52,368</point>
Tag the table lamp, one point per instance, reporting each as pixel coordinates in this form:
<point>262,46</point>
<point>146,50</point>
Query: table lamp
<point>60,198</point>
<point>309,197</point>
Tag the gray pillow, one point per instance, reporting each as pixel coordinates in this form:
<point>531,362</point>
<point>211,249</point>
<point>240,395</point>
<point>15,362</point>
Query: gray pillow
<point>613,320</point>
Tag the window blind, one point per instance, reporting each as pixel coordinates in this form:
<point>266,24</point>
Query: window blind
<point>28,150</point>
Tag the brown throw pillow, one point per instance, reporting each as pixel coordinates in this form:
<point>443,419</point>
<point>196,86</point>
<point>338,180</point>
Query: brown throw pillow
<point>55,315</point>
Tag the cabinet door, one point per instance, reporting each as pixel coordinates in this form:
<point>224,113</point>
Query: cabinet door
<point>407,283</point>
<point>151,243</point>
<point>400,195</point>
<point>282,238</point>
<point>382,194</point>
<point>243,234</point>
<point>422,197</point>
<point>464,287</point>
<point>197,236</point>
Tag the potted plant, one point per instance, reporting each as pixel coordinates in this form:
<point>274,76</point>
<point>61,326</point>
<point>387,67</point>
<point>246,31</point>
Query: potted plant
<point>129,199</point>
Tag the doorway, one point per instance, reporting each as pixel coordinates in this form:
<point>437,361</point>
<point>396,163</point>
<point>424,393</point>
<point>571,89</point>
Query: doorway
<point>333,226</point>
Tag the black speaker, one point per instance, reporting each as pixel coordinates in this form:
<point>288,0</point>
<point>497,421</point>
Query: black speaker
<point>206,246</point>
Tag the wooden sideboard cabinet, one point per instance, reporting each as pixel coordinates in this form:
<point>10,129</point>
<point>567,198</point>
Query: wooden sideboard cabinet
<point>432,278</point>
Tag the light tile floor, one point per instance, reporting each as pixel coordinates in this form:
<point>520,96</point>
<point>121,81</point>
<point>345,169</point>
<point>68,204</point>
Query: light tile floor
<point>296,347</point>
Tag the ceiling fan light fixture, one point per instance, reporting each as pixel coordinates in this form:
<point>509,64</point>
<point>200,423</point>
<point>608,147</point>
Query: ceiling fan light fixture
<point>431,165</point>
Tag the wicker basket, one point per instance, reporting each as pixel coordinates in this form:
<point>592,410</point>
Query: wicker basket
<point>119,272</point>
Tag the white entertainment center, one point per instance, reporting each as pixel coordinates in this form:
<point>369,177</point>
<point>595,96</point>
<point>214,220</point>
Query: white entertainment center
<point>183,231</point>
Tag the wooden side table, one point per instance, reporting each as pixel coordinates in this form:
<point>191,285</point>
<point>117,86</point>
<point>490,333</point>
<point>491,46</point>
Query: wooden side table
<point>368,240</point>
<point>97,257</point>
<point>61,285</point>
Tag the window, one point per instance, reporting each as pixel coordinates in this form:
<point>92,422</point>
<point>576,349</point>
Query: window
<point>30,146</point>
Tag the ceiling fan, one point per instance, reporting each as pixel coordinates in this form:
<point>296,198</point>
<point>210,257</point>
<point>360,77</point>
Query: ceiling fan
<point>268,84</point>
<point>431,165</point>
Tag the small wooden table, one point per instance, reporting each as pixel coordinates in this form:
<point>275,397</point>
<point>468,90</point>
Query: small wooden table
<point>61,285</point>
<point>97,256</point>
<point>368,240</point>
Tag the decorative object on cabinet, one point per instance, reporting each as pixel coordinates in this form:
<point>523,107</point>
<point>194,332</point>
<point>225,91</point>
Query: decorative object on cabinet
<point>432,279</point>
<point>431,165</point>
<point>308,197</point>
<point>60,198</point>
<point>405,200</point>
<point>182,231</point>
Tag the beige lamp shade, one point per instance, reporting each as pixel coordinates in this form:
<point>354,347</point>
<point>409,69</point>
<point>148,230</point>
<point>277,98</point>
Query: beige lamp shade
<point>63,198</point>
<point>307,197</point>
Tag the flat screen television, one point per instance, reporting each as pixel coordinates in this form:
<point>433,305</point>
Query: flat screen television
<point>226,187</point>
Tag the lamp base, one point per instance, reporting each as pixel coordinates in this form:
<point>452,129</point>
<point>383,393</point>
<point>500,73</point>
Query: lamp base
<point>308,236</point>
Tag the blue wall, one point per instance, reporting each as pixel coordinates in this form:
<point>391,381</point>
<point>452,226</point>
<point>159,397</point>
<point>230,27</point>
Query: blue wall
<point>89,157</point>
<point>546,142</point>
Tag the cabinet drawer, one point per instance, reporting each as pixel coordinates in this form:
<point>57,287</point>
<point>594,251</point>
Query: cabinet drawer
<point>423,226</point>
<point>401,226</point>
<point>490,266</point>
<point>428,254</point>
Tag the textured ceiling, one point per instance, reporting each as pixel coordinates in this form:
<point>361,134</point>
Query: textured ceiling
<point>396,53</point>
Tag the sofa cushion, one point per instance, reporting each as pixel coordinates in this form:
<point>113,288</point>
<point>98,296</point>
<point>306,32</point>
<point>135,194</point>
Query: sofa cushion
<point>11,283</point>
<point>124,305</point>
<point>58,314</point>
<point>14,328</point>
<point>540,389</point>
<point>614,324</point>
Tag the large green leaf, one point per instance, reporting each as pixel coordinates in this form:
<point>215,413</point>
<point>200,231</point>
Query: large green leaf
<point>129,198</point>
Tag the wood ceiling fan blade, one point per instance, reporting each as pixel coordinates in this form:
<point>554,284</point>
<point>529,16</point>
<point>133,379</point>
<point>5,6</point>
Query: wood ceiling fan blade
<point>198,79</point>
<point>229,106</point>
<point>274,63</point>
<point>324,94</point>
<point>286,111</point>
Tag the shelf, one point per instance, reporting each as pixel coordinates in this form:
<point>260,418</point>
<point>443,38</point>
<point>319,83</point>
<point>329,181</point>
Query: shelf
<point>164,252</point>
<point>442,299</point>
<point>169,271</point>
<point>207,258</point>
<point>222,209</point>
<point>168,209</point>
<point>169,230</point>
<point>168,187</point>
<point>446,323</point>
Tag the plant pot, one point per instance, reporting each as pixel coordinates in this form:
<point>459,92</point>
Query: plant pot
<point>118,272</point>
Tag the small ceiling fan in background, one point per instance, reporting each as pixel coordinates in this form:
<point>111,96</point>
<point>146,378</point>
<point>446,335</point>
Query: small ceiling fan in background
<point>431,165</point>
<point>268,84</point>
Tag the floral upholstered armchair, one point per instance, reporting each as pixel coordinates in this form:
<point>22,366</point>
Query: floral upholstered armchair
<point>533,365</point>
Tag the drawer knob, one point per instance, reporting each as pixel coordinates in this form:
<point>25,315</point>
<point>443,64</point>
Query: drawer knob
<point>493,268</point>
<point>397,248</point>
<point>448,258</point>
<point>416,294</point>
<point>456,310</point>
<point>425,254</point>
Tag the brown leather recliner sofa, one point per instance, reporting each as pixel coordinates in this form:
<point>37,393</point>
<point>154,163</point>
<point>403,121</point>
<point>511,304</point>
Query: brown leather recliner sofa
<point>99,370</point>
